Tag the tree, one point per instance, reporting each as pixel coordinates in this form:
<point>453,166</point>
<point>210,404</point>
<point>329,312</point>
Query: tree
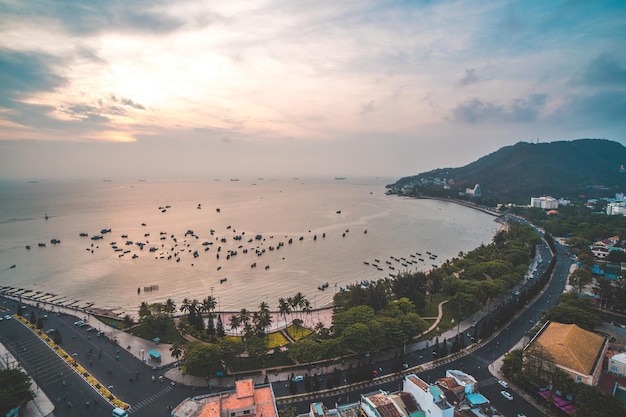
<point>234,322</point>
<point>14,389</point>
<point>176,351</point>
<point>201,358</point>
<point>219,330</point>
<point>512,365</point>
<point>128,320</point>
<point>284,308</point>
<point>579,278</point>
<point>170,306</point>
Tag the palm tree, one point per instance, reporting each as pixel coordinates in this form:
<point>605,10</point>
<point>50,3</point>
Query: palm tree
<point>235,322</point>
<point>244,319</point>
<point>306,307</point>
<point>284,308</point>
<point>170,306</point>
<point>184,308</point>
<point>264,318</point>
<point>208,304</point>
<point>176,350</point>
<point>319,327</point>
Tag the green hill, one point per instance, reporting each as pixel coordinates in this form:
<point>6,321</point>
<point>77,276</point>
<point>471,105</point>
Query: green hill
<point>590,167</point>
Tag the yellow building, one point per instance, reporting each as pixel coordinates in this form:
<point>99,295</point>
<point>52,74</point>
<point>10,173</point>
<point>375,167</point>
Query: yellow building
<point>575,351</point>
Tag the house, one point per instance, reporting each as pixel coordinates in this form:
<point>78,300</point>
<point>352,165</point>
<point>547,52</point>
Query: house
<point>383,404</point>
<point>245,400</point>
<point>577,352</point>
<point>617,365</point>
<point>429,397</point>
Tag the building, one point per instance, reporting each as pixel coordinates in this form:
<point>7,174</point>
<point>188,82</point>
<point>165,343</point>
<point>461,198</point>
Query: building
<point>473,192</point>
<point>545,203</point>
<point>617,365</point>
<point>245,400</point>
<point>575,351</point>
<point>430,398</point>
<point>383,404</point>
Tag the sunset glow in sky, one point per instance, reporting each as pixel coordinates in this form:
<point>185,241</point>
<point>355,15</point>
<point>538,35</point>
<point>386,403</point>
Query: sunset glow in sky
<point>187,89</point>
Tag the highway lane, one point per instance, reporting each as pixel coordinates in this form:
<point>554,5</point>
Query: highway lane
<point>126,376</point>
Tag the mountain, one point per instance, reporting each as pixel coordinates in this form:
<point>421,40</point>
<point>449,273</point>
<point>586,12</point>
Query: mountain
<point>590,167</point>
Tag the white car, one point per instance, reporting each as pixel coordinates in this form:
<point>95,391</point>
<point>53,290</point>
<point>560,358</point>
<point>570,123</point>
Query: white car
<point>506,395</point>
<point>503,383</point>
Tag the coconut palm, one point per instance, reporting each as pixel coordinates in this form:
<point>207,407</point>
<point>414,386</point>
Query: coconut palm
<point>264,318</point>
<point>208,304</point>
<point>283,309</point>
<point>235,322</point>
<point>244,318</point>
<point>170,306</point>
<point>184,308</point>
<point>176,350</point>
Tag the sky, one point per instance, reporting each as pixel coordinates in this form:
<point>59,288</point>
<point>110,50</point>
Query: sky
<point>168,89</point>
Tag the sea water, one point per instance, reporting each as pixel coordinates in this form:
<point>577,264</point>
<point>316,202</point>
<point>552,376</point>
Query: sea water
<point>335,227</point>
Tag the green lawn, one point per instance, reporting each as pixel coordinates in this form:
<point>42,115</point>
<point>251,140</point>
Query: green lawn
<point>118,324</point>
<point>275,340</point>
<point>169,334</point>
<point>298,332</point>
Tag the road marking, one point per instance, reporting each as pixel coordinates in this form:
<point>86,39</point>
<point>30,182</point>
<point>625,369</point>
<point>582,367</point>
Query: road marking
<point>151,398</point>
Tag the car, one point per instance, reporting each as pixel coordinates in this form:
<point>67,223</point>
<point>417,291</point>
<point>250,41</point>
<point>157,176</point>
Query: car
<point>51,331</point>
<point>7,317</point>
<point>507,395</point>
<point>298,378</point>
<point>83,325</point>
<point>92,329</point>
<point>516,293</point>
<point>99,334</point>
<point>78,323</point>
<point>521,415</point>
<point>503,383</point>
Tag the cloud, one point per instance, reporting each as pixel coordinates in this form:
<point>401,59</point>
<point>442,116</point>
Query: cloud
<point>87,18</point>
<point>24,73</point>
<point>519,110</point>
<point>604,70</point>
<point>596,110</point>
<point>367,107</point>
<point>470,77</point>
<point>126,102</point>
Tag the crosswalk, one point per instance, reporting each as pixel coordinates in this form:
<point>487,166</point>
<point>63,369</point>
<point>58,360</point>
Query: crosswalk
<point>153,397</point>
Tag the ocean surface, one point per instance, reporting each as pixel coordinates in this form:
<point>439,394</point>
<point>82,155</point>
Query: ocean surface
<point>195,237</point>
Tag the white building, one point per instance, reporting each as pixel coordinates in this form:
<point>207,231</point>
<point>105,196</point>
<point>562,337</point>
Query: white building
<point>430,398</point>
<point>617,208</point>
<point>545,203</point>
<point>467,381</point>
<point>617,365</point>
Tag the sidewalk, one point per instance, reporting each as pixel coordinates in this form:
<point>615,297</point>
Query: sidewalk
<point>41,405</point>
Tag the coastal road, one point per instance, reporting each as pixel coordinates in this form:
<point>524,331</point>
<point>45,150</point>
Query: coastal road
<point>476,363</point>
<point>126,376</point>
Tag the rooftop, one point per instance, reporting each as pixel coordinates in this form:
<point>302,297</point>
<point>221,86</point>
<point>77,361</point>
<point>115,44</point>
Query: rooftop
<point>570,346</point>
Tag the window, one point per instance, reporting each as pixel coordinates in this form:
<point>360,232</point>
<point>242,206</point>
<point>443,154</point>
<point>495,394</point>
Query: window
<point>246,412</point>
<point>579,378</point>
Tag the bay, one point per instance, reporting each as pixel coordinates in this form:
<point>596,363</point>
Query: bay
<point>258,216</point>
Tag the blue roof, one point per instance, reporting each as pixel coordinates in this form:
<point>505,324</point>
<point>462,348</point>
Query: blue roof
<point>435,391</point>
<point>476,399</point>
